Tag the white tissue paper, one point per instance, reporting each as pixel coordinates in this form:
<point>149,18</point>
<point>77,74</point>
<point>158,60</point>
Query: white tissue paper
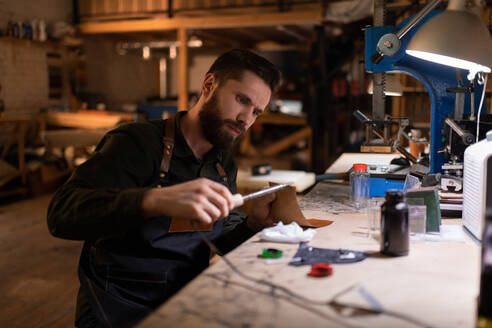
<point>288,233</point>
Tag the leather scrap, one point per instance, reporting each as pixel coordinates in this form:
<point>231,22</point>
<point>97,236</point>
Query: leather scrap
<point>286,209</point>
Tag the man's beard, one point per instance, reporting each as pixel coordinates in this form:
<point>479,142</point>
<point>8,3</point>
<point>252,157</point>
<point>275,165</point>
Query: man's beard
<point>214,127</point>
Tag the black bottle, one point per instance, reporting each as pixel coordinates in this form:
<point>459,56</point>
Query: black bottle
<point>394,224</point>
<point>484,319</point>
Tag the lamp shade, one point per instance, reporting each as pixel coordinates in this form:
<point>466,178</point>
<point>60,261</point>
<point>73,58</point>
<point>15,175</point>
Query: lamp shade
<point>454,38</point>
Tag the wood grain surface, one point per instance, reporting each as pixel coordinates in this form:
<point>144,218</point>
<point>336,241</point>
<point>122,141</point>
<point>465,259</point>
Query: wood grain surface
<point>38,272</point>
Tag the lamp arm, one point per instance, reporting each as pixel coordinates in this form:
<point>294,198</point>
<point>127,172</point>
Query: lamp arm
<point>417,18</point>
<point>389,43</point>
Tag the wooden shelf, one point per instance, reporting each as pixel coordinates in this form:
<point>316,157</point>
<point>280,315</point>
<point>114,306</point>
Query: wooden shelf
<point>67,41</point>
<point>281,119</point>
<point>30,42</point>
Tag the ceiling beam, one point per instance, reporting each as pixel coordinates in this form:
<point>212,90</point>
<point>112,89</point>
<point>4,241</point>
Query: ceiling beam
<point>236,21</point>
<point>219,39</point>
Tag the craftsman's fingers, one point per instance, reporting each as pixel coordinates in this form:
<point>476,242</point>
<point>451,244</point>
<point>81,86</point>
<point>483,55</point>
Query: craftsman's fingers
<point>202,216</point>
<point>265,201</point>
<point>224,192</point>
<point>205,203</point>
<point>217,194</point>
<point>260,214</point>
<point>201,199</point>
<point>219,201</point>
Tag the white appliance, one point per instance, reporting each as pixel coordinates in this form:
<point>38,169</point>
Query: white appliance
<point>477,185</point>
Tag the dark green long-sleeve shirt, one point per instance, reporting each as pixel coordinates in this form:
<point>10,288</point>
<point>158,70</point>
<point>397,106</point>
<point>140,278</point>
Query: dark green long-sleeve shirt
<point>103,196</point>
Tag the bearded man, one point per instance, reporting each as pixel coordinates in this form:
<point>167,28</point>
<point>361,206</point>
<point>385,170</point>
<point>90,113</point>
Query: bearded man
<point>132,201</point>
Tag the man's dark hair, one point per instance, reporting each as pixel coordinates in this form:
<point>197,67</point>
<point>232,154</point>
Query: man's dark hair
<point>232,64</point>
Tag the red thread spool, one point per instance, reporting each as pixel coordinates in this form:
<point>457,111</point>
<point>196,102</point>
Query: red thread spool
<point>320,270</point>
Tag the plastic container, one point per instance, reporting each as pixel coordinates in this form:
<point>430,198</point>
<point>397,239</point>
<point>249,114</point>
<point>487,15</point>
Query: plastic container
<point>374,217</point>
<point>378,186</point>
<point>395,232</point>
<point>359,182</point>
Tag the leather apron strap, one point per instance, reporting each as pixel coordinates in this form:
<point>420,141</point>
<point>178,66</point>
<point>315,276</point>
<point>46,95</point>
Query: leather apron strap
<point>177,224</point>
<point>221,172</point>
<point>168,141</point>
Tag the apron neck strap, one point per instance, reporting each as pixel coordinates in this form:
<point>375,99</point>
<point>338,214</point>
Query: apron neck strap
<point>168,141</point>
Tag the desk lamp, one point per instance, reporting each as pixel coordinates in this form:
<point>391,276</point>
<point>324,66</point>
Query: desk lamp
<point>455,38</point>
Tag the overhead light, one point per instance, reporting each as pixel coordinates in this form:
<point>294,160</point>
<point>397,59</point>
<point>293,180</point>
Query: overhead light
<point>146,52</point>
<point>194,42</point>
<point>173,52</point>
<point>392,86</point>
<point>457,38</point>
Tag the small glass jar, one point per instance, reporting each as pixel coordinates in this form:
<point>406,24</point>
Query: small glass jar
<point>395,232</point>
<point>359,182</point>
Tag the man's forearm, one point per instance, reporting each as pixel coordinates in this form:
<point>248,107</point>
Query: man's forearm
<point>82,213</point>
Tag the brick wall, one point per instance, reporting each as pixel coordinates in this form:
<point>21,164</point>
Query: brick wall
<point>24,75</point>
<point>23,64</point>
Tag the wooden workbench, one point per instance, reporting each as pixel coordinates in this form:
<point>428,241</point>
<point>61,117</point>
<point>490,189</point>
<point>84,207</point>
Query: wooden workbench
<point>436,284</point>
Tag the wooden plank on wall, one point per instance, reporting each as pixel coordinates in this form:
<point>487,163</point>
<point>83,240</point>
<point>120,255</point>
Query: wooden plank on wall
<point>235,21</point>
<point>183,69</point>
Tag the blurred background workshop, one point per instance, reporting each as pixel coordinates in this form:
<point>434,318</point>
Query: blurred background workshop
<point>382,122</point>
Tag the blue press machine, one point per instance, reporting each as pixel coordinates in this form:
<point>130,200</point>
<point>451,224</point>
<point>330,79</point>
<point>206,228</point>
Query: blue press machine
<point>435,77</point>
